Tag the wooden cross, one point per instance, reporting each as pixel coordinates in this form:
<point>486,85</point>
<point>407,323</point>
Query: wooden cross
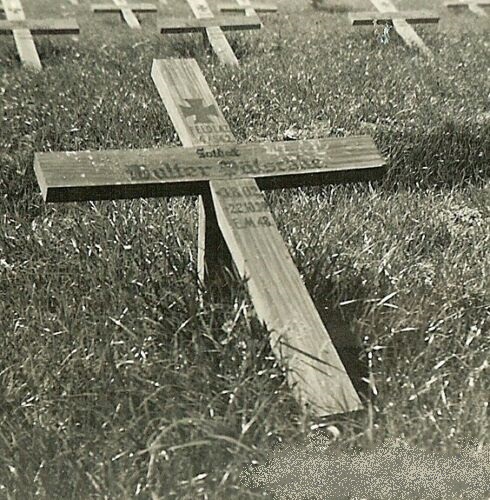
<point>212,28</point>
<point>400,20</point>
<point>230,176</point>
<point>126,10</point>
<point>475,6</point>
<point>22,30</point>
<point>249,8</point>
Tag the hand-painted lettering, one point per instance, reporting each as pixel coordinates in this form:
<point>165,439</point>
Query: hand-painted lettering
<point>217,152</point>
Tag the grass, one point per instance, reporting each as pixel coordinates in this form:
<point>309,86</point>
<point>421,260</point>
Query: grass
<point>116,382</point>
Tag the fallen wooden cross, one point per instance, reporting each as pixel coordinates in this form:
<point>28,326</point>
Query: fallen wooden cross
<point>212,28</point>
<point>248,7</point>
<point>229,177</point>
<point>23,29</point>
<point>475,6</point>
<point>126,10</point>
<point>400,20</point>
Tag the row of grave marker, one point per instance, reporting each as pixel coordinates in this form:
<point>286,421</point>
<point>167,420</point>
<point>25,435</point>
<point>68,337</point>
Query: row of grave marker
<point>212,27</point>
<point>236,227</point>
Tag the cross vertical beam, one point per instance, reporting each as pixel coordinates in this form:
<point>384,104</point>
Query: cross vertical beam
<point>23,29</point>
<point>23,39</point>
<point>127,14</point>
<point>215,36</point>
<point>126,10</point>
<point>400,21</point>
<point>212,28</point>
<point>298,336</point>
<point>212,252</point>
<point>407,33</point>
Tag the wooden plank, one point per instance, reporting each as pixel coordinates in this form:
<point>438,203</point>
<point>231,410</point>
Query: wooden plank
<point>240,6</point>
<point>177,82</point>
<point>23,39</point>
<point>232,23</point>
<point>41,26</point>
<point>297,334</point>
<point>412,17</point>
<point>128,14</point>
<point>197,120</point>
<point>475,7</point>
<point>404,30</point>
<point>247,6</point>
<point>215,36</point>
<point>114,9</point>
<point>126,10</point>
<point>78,176</point>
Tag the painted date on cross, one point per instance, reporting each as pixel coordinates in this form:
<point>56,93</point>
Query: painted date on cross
<point>250,221</point>
<point>247,207</point>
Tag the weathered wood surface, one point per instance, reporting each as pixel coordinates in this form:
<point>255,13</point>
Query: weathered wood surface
<point>412,17</point>
<point>403,28</point>
<point>211,161</point>
<point>23,30</point>
<point>77,176</point>
<point>474,6</point>
<point>248,7</point>
<point>298,336</point>
<point>232,23</point>
<point>41,26</point>
<point>23,39</point>
<point>126,10</point>
<point>208,126</point>
<point>214,36</point>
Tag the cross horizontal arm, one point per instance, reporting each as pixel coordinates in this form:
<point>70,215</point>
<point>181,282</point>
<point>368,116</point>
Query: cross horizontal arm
<point>226,23</point>
<point>111,8</point>
<point>263,8</point>
<point>79,176</point>
<point>41,26</point>
<point>412,17</point>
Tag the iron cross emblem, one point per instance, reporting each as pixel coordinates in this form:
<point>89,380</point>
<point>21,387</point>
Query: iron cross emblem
<point>195,107</point>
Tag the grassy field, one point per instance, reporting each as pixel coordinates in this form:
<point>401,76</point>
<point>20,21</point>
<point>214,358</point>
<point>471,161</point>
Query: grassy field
<point>116,382</point>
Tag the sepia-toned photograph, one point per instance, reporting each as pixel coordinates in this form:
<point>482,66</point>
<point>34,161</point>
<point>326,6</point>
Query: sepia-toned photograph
<point>244,249</point>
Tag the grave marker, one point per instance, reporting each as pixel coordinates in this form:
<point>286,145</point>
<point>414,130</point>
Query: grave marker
<point>126,10</point>
<point>400,20</point>
<point>212,28</point>
<point>229,176</point>
<point>476,6</point>
<point>248,7</point>
<point>22,29</point>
